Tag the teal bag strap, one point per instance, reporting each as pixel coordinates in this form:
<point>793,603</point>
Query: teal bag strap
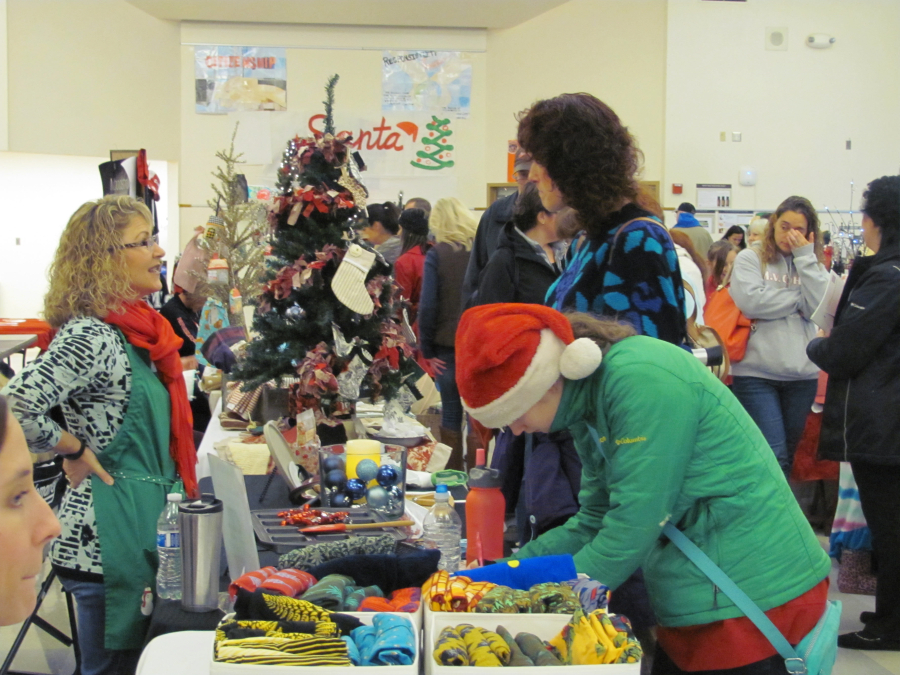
<point>793,662</point>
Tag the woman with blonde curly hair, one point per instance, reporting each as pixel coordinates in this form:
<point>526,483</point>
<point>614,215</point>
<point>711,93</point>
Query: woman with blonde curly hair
<point>453,227</point>
<point>114,369</point>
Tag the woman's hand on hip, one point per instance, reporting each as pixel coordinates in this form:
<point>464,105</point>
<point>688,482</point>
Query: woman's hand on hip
<point>437,365</point>
<point>79,469</point>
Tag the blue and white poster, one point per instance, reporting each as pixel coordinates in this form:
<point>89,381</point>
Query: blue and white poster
<point>231,79</point>
<point>427,81</point>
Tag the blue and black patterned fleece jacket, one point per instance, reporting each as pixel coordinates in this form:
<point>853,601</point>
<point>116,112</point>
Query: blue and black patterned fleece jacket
<point>638,282</point>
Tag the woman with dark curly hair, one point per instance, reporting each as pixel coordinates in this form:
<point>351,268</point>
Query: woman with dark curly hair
<point>624,264</point>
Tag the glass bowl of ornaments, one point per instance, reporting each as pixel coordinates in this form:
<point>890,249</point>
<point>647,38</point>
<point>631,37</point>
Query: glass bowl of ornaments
<point>364,473</point>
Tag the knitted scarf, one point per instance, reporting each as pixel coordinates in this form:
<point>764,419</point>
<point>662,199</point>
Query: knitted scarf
<point>146,328</point>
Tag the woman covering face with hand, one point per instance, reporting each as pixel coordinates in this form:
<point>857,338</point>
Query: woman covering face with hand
<point>778,284</point>
<point>114,369</point>
<point>27,524</point>
<point>660,440</point>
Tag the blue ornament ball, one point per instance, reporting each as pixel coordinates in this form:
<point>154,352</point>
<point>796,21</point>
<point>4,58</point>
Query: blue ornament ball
<point>333,463</point>
<point>387,476</point>
<point>283,347</point>
<point>336,479</point>
<point>340,499</point>
<point>377,497</point>
<point>395,493</point>
<point>355,489</point>
<point>295,312</point>
<point>367,469</point>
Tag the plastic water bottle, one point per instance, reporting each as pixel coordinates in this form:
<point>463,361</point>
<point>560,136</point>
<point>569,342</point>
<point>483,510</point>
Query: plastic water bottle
<point>443,526</point>
<point>168,544</point>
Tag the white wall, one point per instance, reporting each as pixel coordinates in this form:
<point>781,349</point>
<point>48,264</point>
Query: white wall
<point>31,224</point>
<point>314,53</point>
<point>795,108</point>
<point>90,76</point>
<point>613,49</point>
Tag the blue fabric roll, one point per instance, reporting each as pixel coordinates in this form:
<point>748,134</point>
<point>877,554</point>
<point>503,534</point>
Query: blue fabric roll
<point>525,573</point>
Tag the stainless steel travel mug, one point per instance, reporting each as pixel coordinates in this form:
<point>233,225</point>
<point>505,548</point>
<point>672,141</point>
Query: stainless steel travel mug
<point>200,522</point>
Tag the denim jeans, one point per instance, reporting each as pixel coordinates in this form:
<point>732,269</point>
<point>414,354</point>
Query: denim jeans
<point>91,611</point>
<point>779,409</point>
<point>451,405</point>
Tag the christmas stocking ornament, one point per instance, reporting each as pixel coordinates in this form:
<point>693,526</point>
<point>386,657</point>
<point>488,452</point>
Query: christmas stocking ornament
<point>349,283</point>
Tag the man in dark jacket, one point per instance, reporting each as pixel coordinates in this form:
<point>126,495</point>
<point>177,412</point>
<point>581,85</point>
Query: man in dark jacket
<point>491,224</point>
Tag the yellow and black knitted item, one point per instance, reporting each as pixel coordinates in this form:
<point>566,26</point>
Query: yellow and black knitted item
<point>450,648</point>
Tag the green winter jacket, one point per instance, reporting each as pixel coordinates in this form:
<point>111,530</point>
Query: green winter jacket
<point>678,446</point>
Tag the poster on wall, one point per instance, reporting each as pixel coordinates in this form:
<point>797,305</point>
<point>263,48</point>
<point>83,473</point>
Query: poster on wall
<point>427,81</point>
<point>232,79</point>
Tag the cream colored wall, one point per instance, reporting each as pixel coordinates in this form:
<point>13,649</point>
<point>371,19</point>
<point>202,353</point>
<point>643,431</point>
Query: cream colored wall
<point>4,81</point>
<point>88,76</point>
<point>613,49</point>
<point>355,54</point>
<point>795,108</point>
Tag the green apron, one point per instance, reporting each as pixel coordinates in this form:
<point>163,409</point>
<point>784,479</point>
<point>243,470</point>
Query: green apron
<point>138,459</point>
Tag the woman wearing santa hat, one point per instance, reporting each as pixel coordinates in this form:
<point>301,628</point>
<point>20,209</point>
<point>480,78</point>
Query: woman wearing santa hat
<point>672,444</point>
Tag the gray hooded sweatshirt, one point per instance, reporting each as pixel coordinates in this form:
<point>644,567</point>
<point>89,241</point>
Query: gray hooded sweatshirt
<point>780,304</point>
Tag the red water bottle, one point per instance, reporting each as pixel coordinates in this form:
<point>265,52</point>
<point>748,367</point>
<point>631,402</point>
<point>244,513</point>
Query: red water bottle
<point>485,513</point>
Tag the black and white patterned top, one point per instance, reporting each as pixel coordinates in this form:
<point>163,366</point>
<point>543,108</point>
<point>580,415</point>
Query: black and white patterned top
<point>86,371</point>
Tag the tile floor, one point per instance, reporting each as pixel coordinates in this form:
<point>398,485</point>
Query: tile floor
<point>42,654</point>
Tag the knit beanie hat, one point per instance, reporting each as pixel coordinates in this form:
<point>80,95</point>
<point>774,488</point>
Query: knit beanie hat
<point>509,355</point>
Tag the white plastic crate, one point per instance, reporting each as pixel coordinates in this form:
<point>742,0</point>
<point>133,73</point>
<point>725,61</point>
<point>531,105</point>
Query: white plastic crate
<point>218,668</point>
<point>544,626</point>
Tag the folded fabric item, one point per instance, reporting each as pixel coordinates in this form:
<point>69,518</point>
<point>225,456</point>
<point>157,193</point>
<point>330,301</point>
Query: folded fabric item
<point>312,651</point>
<point>450,648</point>
<point>536,650</point>
<point>251,580</point>
<point>388,572</point>
<point>504,600</point>
<point>553,598</point>
<point>352,651</point>
<point>525,573</point>
<point>405,600</point>
<point>357,594</point>
<point>305,557</point>
<point>592,594</point>
<point>330,592</point>
<point>590,639</point>
<point>389,641</point>
<point>289,582</point>
<point>517,657</point>
<point>456,594</point>
<point>264,606</point>
<point>237,630</point>
<point>484,647</point>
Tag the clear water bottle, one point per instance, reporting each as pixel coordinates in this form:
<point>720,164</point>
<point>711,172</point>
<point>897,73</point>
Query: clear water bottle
<point>444,527</point>
<point>168,544</point>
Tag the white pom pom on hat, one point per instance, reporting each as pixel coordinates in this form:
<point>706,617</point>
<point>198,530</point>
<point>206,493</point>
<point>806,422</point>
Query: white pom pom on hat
<point>579,359</point>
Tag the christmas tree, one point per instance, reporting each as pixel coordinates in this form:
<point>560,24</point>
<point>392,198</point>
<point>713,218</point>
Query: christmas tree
<point>235,234</point>
<point>438,150</point>
<point>343,350</point>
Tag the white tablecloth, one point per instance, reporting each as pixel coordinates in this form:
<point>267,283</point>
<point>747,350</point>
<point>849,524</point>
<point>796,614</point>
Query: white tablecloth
<point>184,653</point>
<point>214,434</point>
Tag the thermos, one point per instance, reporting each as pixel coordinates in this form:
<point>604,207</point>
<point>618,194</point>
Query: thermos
<point>200,522</point>
<point>485,512</point>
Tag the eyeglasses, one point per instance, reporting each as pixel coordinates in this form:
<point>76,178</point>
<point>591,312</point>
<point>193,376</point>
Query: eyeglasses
<point>149,243</point>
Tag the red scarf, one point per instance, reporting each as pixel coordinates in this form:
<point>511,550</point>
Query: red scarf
<point>146,328</point>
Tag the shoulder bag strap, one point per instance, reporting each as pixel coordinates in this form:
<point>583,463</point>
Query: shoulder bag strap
<point>794,663</point>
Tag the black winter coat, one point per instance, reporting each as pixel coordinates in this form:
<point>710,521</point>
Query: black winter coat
<point>490,228</point>
<point>860,421</point>
<point>514,273</point>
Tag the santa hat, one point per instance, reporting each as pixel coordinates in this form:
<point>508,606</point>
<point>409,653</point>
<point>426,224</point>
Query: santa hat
<point>509,355</point>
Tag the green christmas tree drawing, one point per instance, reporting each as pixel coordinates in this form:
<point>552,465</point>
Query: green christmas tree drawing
<point>337,355</point>
<point>438,150</point>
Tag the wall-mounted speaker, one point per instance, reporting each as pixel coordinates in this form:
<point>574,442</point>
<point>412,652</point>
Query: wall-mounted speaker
<point>777,38</point>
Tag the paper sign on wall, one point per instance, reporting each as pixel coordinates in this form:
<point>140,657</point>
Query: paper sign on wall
<point>231,79</point>
<point>427,81</point>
